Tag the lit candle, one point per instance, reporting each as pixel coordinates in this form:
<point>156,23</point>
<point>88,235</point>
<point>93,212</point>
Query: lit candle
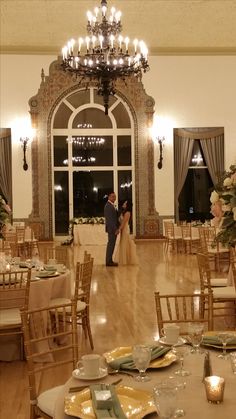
<point>135,45</point>
<point>214,388</point>
<point>112,41</point>
<point>126,43</point>
<point>87,42</point>
<point>80,41</point>
<point>89,16</point>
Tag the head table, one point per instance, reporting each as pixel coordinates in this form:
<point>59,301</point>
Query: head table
<point>192,399</point>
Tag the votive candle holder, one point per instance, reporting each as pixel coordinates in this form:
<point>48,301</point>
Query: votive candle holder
<point>214,387</point>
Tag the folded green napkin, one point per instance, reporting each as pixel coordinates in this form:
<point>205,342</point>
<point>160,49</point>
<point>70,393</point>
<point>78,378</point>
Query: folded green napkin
<point>214,340</point>
<point>127,363</point>
<point>114,410</point>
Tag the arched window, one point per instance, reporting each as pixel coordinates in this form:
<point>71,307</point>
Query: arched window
<point>92,154</point>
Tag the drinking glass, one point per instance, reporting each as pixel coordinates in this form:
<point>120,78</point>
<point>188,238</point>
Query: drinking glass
<point>164,395</point>
<point>195,332</point>
<point>141,356</point>
<point>181,352</point>
<point>179,384</point>
<point>224,337</point>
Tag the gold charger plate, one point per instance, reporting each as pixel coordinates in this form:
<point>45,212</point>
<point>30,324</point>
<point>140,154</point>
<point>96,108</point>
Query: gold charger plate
<point>135,403</point>
<point>163,361</point>
<point>218,345</point>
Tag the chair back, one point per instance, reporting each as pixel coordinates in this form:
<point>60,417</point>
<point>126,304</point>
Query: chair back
<point>58,253</point>
<point>204,271</point>
<point>183,309</point>
<point>41,327</point>
<point>83,280</point>
<point>14,289</point>
<point>37,229</point>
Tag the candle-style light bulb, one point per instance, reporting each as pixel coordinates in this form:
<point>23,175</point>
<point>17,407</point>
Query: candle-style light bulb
<point>96,10</point>
<point>101,40</point>
<point>80,42</point>
<point>104,10</point>
<point>87,39</point>
<point>120,39</point>
<point>89,16</point>
<point>135,45</point>
<point>126,43</point>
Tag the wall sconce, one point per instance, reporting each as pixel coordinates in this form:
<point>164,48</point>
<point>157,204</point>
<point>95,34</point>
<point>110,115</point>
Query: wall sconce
<point>24,141</point>
<point>161,145</point>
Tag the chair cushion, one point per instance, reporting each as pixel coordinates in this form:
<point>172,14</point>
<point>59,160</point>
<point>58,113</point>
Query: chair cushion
<point>10,317</point>
<point>224,292</point>
<point>219,282</point>
<point>47,400</point>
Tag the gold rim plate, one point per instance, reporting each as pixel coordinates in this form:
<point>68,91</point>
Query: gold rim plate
<point>218,346</point>
<point>122,351</point>
<point>135,403</point>
<point>43,275</point>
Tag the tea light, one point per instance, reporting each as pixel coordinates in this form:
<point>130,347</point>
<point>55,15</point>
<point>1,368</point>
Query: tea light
<point>214,388</point>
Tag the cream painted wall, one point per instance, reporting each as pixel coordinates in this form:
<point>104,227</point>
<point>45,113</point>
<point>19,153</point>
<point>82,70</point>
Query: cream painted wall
<point>197,91</point>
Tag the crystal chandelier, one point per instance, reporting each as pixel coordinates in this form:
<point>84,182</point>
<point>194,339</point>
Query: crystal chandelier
<point>103,55</point>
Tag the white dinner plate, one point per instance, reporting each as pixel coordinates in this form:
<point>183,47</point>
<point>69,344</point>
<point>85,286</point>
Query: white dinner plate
<point>80,374</point>
<point>181,341</point>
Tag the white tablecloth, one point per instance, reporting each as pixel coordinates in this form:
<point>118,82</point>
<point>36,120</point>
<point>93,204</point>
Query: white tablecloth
<point>192,399</point>
<point>90,234</point>
<point>41,292</point>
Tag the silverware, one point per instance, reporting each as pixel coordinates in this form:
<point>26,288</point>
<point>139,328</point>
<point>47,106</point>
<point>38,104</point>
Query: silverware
<point>113,372</point>
<point>80,388</point>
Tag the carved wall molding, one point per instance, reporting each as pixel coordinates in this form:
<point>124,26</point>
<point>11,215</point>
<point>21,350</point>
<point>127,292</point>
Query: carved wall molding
<point>53,88</point>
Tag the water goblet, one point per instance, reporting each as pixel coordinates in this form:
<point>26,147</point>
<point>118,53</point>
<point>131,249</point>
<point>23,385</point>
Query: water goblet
<point>164,395</point>
<point>181,352</point>
<point>141,356</point>
<point>196,335</point>
<point>179,384</point>
<point>224,337</point>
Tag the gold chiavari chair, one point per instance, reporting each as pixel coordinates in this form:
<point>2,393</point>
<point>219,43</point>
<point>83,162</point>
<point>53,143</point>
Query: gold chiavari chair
<point>37,343</point>
<point>10,240</point>
<point>190,240</point>
<point>183,309</point>
<point>57,253</point>
<point>14,294</point>
<point>172,240</point>
<point>216,252</point>
<point>82,292</point>
<point>224,296</point>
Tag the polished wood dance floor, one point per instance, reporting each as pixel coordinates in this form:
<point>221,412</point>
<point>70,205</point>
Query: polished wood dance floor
<point>122,310</point>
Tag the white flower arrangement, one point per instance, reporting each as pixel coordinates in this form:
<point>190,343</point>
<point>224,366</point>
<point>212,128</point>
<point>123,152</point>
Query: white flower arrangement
<point>223,207</point>
<point>88,220</point>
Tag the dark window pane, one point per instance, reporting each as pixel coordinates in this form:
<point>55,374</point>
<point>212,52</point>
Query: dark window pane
<point>94,117</point>
<point>194,199</point>
<point>197,155</point>
<point>60,147</point>
<point>124,150</point>
<point>62,116</point>
<point>121,115</point>
<point>90,191</point>
<point>61,196</point>
<point>79,98</point>
<point>92,151</point>
<point>124,185</point>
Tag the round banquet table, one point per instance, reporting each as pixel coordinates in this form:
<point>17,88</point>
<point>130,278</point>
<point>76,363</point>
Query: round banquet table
<point>41,292</point>
<point>192,399</point>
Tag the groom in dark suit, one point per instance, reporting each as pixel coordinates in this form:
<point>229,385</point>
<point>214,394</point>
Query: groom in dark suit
<point>112,227</point>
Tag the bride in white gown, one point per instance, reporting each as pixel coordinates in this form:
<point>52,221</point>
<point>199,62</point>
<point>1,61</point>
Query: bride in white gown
<point>126,250</point>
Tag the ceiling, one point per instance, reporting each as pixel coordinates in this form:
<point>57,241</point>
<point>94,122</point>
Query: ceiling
<point>167,26</point>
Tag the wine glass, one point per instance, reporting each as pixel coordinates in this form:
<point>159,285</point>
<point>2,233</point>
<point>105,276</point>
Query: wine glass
<point>141,356</point>
<point>179,384</point>
<point>196,335</point>
<point>181,352</point>
<point>164,395</point>
<point>224,337</point>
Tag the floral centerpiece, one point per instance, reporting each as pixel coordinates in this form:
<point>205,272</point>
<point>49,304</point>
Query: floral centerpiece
<point>5,211</point>
<point>88,220</point>
<point>223,200</point>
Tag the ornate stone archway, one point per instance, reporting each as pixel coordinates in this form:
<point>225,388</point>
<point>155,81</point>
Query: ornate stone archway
<point>53,89</point>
